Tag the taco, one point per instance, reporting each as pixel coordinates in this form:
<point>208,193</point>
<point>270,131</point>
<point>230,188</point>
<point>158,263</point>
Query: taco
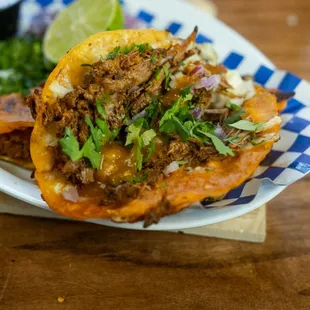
<point>16,124</point>
<point>137,124</point>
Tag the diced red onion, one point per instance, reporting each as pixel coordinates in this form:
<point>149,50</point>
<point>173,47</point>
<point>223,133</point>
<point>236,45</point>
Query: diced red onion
<point>198,71</point>
<point>71,194</point>
<point>211,82</point>
<point>174,166</point>
<point>137,116</point>
<point>197,113</point>
<point>219,132</point>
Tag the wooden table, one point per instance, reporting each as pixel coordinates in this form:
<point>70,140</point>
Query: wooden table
<point>94,267</point>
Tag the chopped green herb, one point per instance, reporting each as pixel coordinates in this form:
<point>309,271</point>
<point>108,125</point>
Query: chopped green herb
<point>138,152</point>
<point>181,129</point>
<point>96,133</point>
<point>233,106</point>
<point>232,139</point>
<point>167,74</point>
<point>157,74</point>
<point>150,151</point>
<point>126,50</point>
<point>154,59</point>
<point>148,136</point>
<point>247,125</point>
<point>114,53</point>
<point>142,47</point>
<point>218,144</point>
<point>100,108</point>
<point>182,63</point>
<point>186,91</point>
<point>139,178</point>
<point>70,146</point>
<point>133,132</point>
<point>89,151</point>
<point>234,118</point>
<point>22,65</point>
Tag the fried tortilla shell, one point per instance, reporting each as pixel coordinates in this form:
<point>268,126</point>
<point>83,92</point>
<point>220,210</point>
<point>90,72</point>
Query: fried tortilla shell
<point>16,124</point>
<point>177,191</point>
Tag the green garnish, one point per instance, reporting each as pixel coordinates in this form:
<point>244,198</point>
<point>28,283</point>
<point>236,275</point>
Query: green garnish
<point>96,133</point>
<point>114,53</point>
<point>232,106</point>
<point>139,140</point>
<point>186,91</point>
<point>167,74</point>
<point>218,144</point>
<point>22,65</point>
<point>157,74</point>
<point>70,146</point>
<point>181,162</point>
<point>100,108</point>
<point>154,59</point>
<point>234,118</point>
<point>247,125</point>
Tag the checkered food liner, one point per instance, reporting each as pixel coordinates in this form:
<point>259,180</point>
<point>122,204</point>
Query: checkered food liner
<point>289,159</point>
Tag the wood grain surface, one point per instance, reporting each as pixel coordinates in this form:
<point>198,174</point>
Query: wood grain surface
<point>95,267</point>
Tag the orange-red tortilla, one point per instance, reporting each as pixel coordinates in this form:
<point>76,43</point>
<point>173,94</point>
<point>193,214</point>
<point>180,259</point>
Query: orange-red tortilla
<point>181,188</point>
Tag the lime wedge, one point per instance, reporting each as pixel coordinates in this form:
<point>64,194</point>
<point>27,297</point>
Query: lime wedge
<point>77,22</point>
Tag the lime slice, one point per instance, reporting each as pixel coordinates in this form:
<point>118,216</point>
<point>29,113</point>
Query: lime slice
<point>77,22</point>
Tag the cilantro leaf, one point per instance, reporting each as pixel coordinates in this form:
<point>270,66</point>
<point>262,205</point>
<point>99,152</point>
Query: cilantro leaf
<point>232,106</point>
<point>89,151</point>
<point>167,74</point>
<point>181,129</point>
<point>247,125</point>
<point>114,53</point>
<point>138,152</point>
<point>100,108</point>
<point>148,136</point>
<point>154,59</point>
<point>151,149</point>
<point>234,118</point>
<point>70,146</point>
<point>186,91</point>
<point>96,133</point>
<point>218,144</point>
<point>127,49</point>
<point>133,132</point>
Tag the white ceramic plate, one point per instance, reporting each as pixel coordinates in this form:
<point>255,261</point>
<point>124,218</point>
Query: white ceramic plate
<point>16,181</point>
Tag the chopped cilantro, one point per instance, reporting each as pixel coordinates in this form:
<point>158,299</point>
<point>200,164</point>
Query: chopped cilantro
<point>247,125</point>
<point>157,74</point>
<point>218,144</point>
<point>181,129</point>
<point>165,185</point>
<point>139,140</point>
<point>154,59</point>
<point>70,146</point>
<point>114,53</point>
<point>148,136</point>
<point>233,106</point>
<point>143,47</point>
<point>96,133</point>
<point>139,178</point>
<point>126,50</point>
<point>186,91</point>
<point>234,118</point>
<point>100,108</point>
<point>89,151</point>
<point>182,63</point>
<point>151,149</point>
<point>167,74</point>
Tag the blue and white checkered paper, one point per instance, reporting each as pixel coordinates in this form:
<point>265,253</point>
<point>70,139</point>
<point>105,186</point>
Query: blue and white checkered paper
<point>290,158</point>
